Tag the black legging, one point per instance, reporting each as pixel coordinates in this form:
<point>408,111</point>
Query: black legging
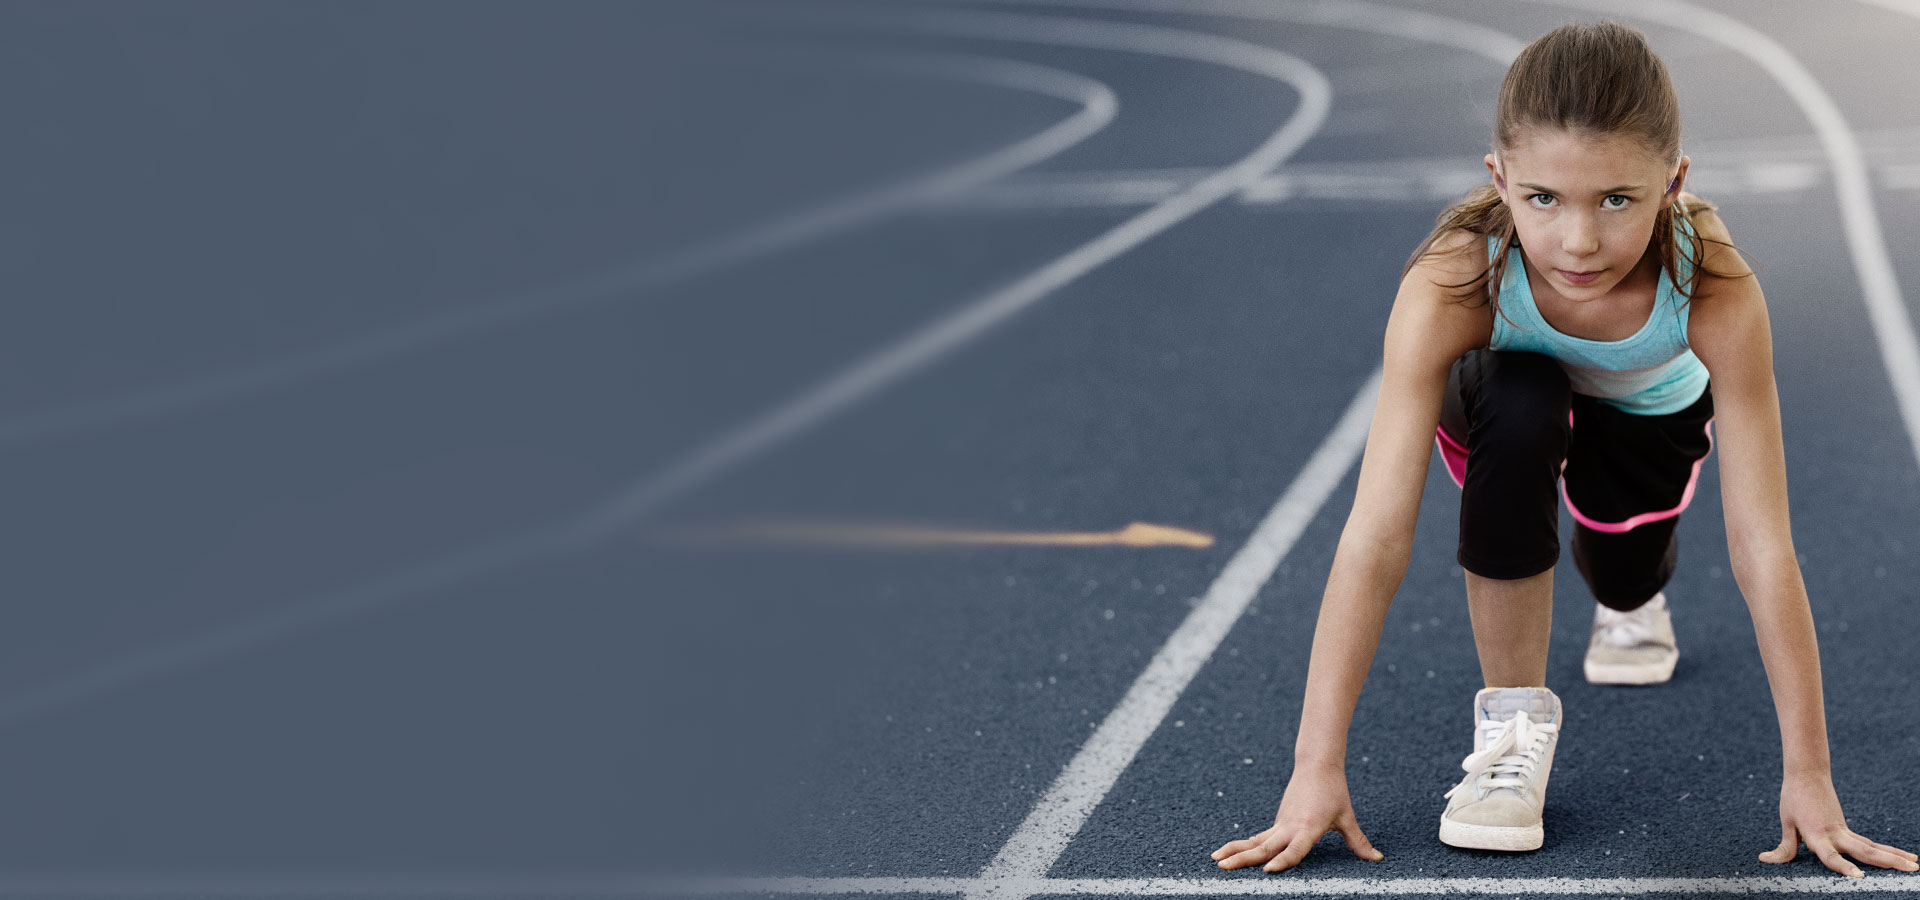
<point>1628,474</point>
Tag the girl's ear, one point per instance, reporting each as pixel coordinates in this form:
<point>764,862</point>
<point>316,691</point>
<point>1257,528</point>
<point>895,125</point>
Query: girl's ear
<point>1493,168</point>
<point>1678,183</point>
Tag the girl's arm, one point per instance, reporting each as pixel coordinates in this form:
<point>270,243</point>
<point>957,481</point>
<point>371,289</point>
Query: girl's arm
<point>1426,332</point>
<point>1729,331</point>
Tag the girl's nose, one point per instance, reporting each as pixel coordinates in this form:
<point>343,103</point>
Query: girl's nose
<point>1581,238</point>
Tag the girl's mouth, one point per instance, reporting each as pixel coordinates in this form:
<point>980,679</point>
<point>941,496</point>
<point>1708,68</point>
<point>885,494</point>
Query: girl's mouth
<point>1579,277</point>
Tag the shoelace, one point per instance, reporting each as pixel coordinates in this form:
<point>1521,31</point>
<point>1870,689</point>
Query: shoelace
<point>1513,749</point>
<point>1624,629</point>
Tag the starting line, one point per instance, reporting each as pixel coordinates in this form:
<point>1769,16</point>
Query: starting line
<point>1243,883</point>
<point>1256,883</point>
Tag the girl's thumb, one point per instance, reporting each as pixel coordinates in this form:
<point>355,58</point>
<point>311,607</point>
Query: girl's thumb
<point>1789,845</point>
<point>1357,841</point>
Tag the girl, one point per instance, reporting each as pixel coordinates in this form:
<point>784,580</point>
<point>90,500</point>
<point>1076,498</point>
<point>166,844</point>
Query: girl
<point>1559,330</point>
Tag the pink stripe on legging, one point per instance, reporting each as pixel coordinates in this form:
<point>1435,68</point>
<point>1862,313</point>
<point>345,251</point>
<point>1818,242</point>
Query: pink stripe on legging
<point>1455,457</point>
<point>1686,497</point>
<point>1453,454</point>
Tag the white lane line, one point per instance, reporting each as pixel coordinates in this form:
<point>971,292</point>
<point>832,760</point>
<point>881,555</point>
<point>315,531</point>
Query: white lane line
<point>1892,324</point>
<point>1098,107</point>
<point>1256,884</point>
<point>1262,884</point>
<point>1909,7</point>
<point>1074,794</point>
<point>633,503</point>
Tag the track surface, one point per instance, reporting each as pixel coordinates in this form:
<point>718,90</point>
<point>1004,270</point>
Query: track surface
<point>350,378</point>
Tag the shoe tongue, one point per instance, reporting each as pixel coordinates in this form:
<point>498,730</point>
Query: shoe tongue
<point>1499,704</point>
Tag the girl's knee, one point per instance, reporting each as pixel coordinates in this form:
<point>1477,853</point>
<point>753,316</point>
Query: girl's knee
<point>1513,377</point>
<point>1518,405</point>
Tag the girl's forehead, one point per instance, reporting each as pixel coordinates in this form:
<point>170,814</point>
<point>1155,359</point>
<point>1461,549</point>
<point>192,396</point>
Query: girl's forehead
<point>1569,157</point>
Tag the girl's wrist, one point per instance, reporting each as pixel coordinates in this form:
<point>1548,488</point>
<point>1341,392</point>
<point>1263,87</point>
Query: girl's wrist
<point>1807,772</point>
<point>1319,763</point>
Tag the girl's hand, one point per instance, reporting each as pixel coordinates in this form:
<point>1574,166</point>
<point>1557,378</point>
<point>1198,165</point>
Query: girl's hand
<point>1315,803</point>
<point>1810,812</point>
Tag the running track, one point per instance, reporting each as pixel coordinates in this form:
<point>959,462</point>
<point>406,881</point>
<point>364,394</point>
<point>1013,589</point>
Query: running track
<point>360,356</point>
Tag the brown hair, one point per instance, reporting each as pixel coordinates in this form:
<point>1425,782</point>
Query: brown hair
<point>1599,79</point>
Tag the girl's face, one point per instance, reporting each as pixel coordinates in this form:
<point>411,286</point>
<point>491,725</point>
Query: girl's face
<point>1584,207</point>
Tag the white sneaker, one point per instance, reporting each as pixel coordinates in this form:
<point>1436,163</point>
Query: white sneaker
<point>1634,647</point>
<point>1498,805</point>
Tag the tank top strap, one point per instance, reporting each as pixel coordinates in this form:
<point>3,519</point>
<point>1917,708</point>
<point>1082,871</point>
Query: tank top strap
<point>1515,321</point>
<point>1670,297</point>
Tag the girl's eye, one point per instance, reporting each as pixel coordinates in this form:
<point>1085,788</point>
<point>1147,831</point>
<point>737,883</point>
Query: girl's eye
<point>1608,202</point>
<point>1540,200</point>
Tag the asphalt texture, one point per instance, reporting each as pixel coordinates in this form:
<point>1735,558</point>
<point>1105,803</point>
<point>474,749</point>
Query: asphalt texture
<point>304,591</point>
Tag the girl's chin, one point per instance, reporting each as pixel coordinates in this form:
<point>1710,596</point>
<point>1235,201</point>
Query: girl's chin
<point>1593,289</point>
<point>1583,293</point>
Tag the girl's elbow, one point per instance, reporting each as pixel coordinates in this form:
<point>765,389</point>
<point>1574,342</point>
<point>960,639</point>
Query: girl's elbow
<point>1388,535</point>
<point>1759,558</point>
<point>1758,539</point>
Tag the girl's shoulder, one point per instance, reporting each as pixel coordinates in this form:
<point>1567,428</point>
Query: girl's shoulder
<point>1728,324</point>
<point>1453,256</point>
<point>1719,258</point>
<point>1437,292</point>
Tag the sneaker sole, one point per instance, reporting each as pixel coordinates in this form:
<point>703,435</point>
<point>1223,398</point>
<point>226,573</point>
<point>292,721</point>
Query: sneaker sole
<point>1650,673</point>
<point>1491,837</point>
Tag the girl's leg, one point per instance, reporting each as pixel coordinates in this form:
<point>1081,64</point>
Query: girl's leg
<point>1628,478</point>
<point>1513,409</point>
<point>1632,640</point>
<point>1509,410</point>
<point>1512,619</point>
<point>1624,570</point>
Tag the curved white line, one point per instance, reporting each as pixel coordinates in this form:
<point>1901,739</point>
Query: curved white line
<point>949,332</point>
<point>1909,7</point>
<point>1892,324</point>
<point>836,393</point>
<point>1098,107</point>
<point>1357,15</point>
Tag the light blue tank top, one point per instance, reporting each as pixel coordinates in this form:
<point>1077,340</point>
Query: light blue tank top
<point>1651,373</point>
